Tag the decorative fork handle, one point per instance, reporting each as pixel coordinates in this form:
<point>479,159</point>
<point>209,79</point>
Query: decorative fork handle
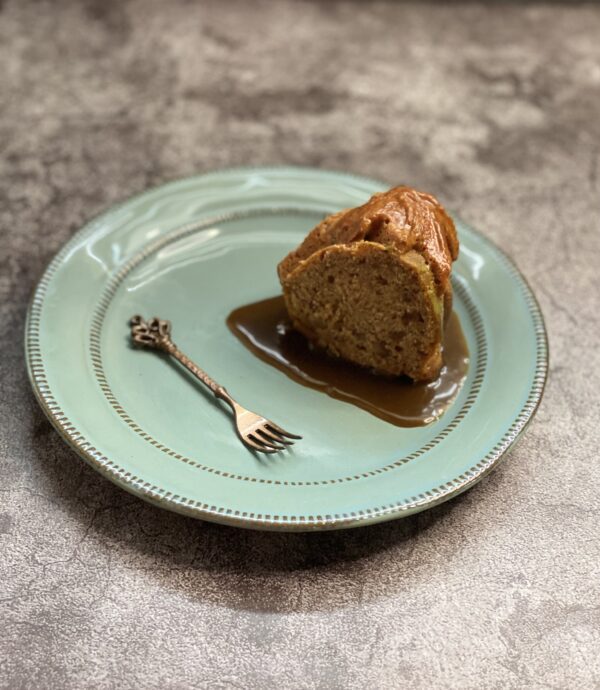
<point>156,334</point>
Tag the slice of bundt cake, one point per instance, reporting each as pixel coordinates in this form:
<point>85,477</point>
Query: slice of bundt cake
<point>372,284</point>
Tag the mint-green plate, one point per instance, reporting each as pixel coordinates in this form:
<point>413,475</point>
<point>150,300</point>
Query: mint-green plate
<point>193,250</point>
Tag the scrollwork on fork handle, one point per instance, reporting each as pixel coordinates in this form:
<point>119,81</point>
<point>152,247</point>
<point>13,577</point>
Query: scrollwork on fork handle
<point>156,334</point>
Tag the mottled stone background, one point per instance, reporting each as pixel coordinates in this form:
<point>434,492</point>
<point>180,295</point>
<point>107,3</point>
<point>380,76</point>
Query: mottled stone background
<point>495,107</point>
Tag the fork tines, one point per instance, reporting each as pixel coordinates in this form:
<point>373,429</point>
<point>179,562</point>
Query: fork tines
<point>268,437</point>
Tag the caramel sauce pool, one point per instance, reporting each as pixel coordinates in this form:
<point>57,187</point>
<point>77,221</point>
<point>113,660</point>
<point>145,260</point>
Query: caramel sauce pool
<point>264,328</point>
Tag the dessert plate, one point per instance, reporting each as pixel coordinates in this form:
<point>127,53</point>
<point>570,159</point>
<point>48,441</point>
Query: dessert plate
<point>194,250</point>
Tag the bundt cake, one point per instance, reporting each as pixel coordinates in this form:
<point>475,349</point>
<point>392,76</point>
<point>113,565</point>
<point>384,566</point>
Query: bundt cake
<point>372,284</point>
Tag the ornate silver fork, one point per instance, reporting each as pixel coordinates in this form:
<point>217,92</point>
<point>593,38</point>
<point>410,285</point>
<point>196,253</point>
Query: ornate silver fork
<point>256,432</point>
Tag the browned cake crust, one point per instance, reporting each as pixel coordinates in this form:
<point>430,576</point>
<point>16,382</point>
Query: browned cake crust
<point>372,284</point>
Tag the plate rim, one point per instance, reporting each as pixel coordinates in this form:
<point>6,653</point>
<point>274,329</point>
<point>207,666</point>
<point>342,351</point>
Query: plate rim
<point>157,496</point>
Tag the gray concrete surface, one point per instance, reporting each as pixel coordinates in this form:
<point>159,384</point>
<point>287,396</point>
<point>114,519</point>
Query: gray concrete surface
<point>495,107</point>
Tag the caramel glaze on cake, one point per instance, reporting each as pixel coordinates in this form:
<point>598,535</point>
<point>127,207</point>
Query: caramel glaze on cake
<point>372,284</point>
